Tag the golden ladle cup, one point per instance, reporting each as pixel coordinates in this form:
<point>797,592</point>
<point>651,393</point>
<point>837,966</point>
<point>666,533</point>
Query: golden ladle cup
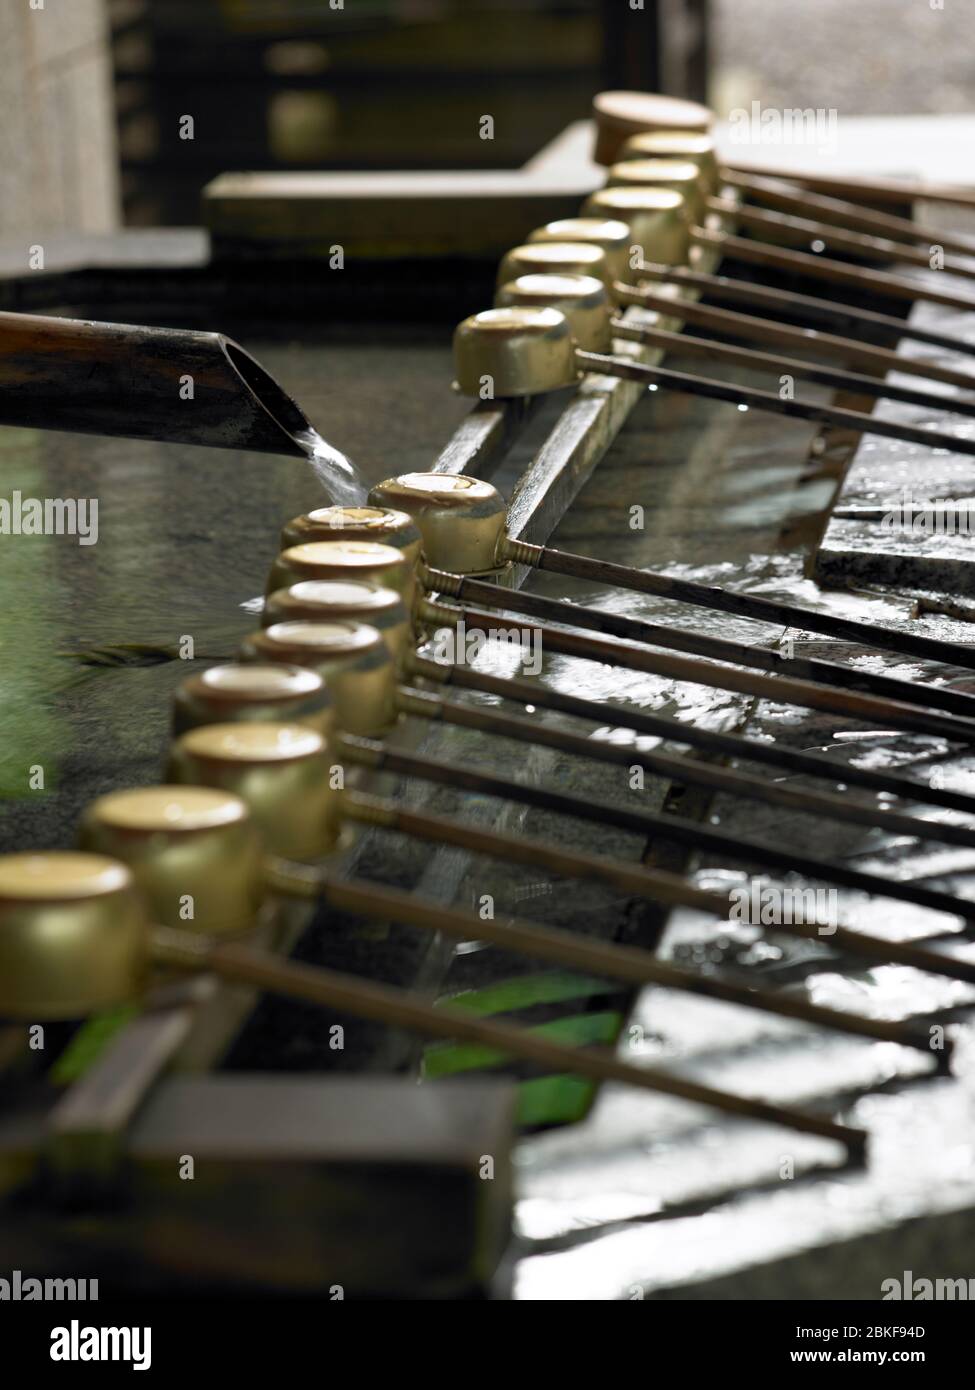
<point>619,115</point>
<point>776,190</point>
<point>352,658</point>
<point>274,692</point>
<point>241,691</point>
<point>558,258</point>
<point>341,559</point>
<point>661,238</point>
<point>399,699</point>
<point>527,351</point>
<point>355,600</point>
<point>611,235</point>
<point>588,308</point>
<point>75,937</point>
<point>195,859</point>
<point>681,176</point>
<point>695,147</point>
<point>650,158</point>
<point>337,523</point>
<point>659,227</point>
<point>463,523</point>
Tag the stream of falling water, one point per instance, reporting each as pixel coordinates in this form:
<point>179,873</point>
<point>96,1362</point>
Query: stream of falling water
<point>337,474</point>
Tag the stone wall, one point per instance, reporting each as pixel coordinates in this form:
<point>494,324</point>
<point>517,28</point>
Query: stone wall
<point>58,160</point>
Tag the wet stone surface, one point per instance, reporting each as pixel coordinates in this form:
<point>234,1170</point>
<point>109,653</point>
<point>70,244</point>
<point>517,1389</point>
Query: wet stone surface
<point>905,515</point>
<point>662,1199</point>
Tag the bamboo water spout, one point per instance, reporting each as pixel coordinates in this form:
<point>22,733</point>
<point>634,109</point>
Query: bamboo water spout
<point>138,382</point>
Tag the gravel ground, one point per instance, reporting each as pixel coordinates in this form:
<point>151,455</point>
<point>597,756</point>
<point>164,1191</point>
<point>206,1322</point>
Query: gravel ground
<point>863,57</point>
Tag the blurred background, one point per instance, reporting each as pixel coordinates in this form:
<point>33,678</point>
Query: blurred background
<point>95,92</point>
